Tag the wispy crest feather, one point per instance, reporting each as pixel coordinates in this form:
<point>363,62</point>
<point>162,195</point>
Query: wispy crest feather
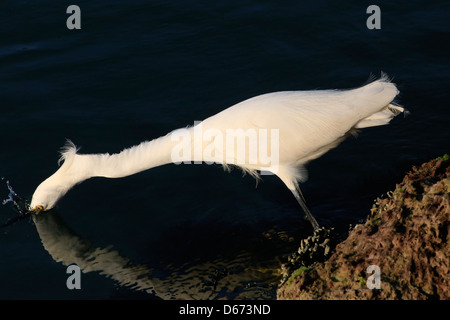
<point>67,151</point>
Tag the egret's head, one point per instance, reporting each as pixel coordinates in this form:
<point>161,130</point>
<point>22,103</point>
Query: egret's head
<point>47,194</point>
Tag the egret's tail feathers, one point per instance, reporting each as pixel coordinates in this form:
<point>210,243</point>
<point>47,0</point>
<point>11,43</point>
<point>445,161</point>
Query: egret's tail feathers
<point>376,94</point>
<point>380,118</point>
<point>376,101</point>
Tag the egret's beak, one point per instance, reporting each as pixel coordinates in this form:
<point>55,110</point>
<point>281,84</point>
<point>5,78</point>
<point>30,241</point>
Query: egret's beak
<point>37,209</point>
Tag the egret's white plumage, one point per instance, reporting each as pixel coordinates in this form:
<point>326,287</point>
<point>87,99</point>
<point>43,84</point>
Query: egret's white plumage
<point>309,122</point>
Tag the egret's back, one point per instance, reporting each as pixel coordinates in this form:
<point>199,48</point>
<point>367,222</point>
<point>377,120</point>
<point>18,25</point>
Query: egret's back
<point>311,122</point>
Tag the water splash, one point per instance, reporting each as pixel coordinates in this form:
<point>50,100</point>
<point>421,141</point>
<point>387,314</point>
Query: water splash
<point>12,194</point>
<point>20,204</point>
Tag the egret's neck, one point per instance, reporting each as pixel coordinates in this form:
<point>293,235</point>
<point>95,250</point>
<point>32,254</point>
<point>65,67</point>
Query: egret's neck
<point>79,167</point>
<point>147,155</point>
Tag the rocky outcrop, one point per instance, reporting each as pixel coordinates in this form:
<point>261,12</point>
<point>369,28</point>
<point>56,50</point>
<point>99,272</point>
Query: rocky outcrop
<point>406,236</point>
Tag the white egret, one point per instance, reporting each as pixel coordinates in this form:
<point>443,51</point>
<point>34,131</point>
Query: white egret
<point>308,124</point>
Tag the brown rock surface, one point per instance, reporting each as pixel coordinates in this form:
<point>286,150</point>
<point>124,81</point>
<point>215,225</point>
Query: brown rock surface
<point>406,235</point>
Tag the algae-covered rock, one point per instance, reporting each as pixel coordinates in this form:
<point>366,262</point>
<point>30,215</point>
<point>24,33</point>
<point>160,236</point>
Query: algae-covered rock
<point>406,236</point>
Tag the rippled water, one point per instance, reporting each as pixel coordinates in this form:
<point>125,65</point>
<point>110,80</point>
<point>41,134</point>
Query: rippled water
<point>138,70</point>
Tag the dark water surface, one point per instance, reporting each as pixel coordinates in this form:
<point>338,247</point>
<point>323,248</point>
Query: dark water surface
<point>139,69</point>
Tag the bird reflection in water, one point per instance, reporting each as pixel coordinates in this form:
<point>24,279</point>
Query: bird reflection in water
<point>218,279</point>
<point>66,247</point>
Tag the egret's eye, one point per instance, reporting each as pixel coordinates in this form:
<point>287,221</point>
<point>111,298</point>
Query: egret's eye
<point>38,209</point>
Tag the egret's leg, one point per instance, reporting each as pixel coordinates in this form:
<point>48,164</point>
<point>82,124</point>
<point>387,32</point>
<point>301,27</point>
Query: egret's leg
<point>301,200</point>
